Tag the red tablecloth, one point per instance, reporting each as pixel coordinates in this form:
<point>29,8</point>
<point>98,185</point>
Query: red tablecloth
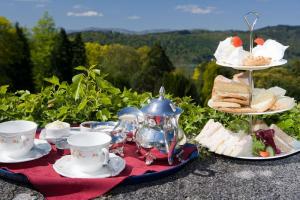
<point>53,186</point>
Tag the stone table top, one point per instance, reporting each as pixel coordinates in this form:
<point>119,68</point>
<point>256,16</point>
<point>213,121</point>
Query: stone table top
<point>215,177</point>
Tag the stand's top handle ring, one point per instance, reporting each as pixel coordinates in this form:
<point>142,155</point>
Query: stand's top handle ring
<point>251,25</point>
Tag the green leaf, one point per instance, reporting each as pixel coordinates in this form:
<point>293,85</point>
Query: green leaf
<point>82,104</point>
<point>54,80</point>
<point>62,111</point>
<point>81,68</point>
<point>4,107</point>
<point>105,101</point>
<point>78,87</point>
<point>97,71</point>
<point>3,89</point>
<point>77,78</point>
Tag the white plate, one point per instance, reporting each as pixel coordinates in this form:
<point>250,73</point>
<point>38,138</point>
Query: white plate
<point>272,64</point>
<point>209,103</point>
<point>282,155</point>
<point>40,149</point>
<point>65,167</point>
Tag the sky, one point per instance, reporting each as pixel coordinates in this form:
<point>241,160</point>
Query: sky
<point>138,15</point>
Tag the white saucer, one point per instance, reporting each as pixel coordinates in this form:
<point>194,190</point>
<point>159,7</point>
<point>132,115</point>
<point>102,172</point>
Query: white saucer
<point>40,149</point>
<point>52,140</point>
<point>65,167</point>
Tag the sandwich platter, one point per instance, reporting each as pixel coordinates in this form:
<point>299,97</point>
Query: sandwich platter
<point>241,67</point>
<point>282,155</point>
<point>223,141</point>
<point>209,103</point>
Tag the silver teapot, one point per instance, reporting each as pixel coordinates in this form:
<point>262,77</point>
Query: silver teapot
<point>160,129</point>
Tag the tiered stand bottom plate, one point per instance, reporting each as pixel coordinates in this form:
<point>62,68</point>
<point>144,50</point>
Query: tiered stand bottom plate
<point>283,155</point>
<point>296,144</point>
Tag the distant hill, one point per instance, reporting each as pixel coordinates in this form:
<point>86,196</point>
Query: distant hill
<point>189,47</point>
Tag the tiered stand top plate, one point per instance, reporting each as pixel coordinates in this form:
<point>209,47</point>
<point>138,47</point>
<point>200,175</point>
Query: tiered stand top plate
<point>272,64</point>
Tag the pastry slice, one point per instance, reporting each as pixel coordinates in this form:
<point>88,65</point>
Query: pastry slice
<point>241,78</point>
<point>256,61</point>
<point>234,100</point>
<point>237,110</point>
<point>221,104</point>
<point>217,94</point>
<point>224,84</point>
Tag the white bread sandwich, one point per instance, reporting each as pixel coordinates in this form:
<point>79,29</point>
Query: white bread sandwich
<point>283,103</point>
<point>217,139</point>
<point>283,141</point>
<point>243,147</point>
<point>277,91</point>
<point>210,127</point>
<point>263,101</point>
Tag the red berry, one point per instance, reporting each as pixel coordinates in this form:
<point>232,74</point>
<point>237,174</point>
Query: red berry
<point>259,41</point>
<point>236,41</point>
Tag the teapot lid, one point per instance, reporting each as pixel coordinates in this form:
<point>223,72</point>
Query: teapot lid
<point>161,106</point>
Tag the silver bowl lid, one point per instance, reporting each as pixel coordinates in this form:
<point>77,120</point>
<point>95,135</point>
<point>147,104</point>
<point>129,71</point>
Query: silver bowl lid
<point>161,106</point>
<point>130,111</point>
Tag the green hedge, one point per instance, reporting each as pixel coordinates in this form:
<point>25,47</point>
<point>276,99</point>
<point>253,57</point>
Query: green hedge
<point>91,97</point>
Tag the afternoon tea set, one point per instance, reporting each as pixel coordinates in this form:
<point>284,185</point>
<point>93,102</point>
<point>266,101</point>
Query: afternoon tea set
<point>97,148</point>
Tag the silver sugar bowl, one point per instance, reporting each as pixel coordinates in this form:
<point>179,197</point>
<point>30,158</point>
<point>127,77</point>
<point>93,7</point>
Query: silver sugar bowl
<point>129,119</point>
<point>160,129</point>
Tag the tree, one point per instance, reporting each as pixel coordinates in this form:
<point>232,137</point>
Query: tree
<point>93,53</point>
<point>180,86</point>
<point>61,57</point>
<point>78,51</point>
<point>154,67</point>
<point>157,57</point>
<point>120,62</point>
<point>43,40</point>
<point>20,71</point>
<point>7,49</point>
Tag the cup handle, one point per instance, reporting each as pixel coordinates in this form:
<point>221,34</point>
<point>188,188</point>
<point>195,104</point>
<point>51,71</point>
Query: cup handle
<point>106,156</point>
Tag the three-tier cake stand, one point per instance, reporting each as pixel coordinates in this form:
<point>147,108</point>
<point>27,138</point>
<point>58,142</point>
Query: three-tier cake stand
<point>251,69</point>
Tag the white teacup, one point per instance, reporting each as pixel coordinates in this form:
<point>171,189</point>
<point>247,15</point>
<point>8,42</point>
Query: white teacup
<point>53,131</point>
<point>17,137</point>
<point>89,150</point>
